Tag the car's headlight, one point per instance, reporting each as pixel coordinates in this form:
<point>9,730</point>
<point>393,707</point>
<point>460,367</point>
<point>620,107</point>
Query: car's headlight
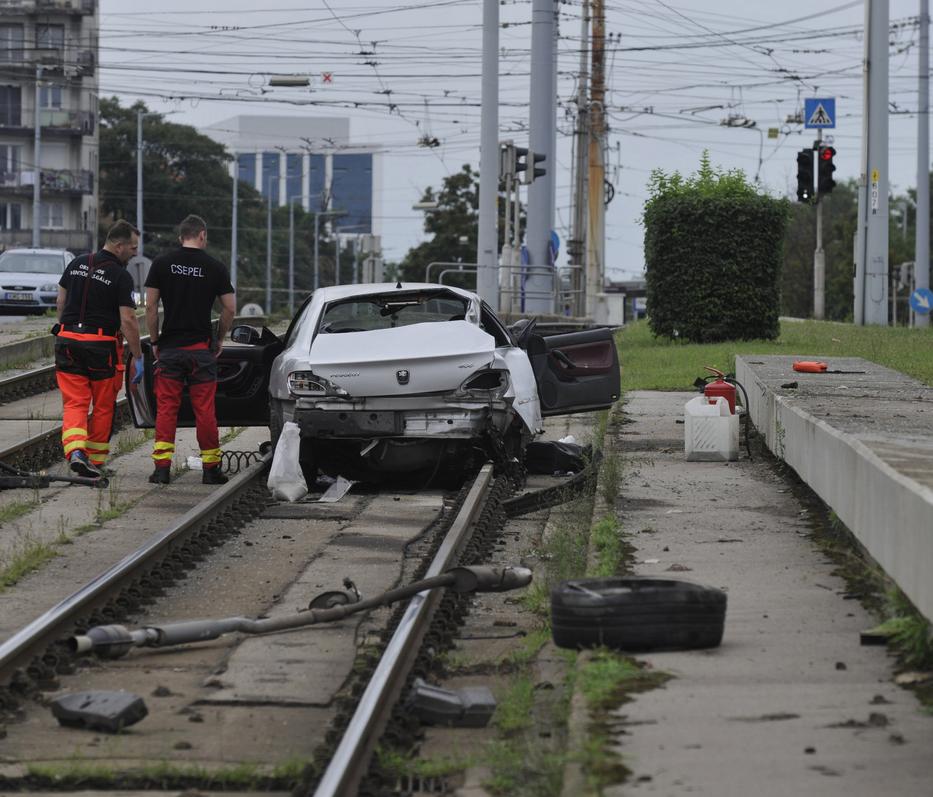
<point>307,383</point>
<point>49,287</point>
<point>488,383</point>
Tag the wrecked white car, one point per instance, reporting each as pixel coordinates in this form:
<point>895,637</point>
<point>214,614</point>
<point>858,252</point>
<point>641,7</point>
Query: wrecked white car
<point>391,379</point>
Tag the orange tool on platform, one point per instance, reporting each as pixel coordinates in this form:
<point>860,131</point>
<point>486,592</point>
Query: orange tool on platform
<point>817,367</point>
<point>810,366</point>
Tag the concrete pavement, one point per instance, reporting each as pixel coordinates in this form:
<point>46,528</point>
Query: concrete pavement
<point>790,703</point>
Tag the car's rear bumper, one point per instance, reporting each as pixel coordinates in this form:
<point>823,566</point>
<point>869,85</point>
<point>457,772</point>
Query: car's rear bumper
<point>463,420</point>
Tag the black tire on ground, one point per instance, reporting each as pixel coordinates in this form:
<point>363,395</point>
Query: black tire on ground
<point>637,614</point>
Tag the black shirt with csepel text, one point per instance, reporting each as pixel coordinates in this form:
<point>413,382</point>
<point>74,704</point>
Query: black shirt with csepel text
<point>188,280</point>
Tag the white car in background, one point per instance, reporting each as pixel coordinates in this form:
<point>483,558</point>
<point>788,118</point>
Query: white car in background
<point>416,379</point>
<point>29,278</point>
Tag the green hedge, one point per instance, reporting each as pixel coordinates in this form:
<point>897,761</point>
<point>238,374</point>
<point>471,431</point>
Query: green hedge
<point>713,254</point>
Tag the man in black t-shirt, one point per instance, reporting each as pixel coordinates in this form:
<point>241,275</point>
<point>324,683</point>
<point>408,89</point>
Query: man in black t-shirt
<point>187,280</point>
<point>95,302</point>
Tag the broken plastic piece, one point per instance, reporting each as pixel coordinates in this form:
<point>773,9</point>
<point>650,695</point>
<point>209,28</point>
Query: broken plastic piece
<point>470,707</point>
<point>336,491</point>
<point>549,456</point>
<point>99,710</point>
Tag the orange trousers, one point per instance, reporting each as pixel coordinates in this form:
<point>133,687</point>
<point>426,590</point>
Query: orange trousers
<point>85,372</point>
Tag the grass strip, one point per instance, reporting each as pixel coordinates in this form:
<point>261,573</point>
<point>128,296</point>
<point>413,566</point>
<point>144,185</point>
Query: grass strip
<point>27,559</point>
<point>16,509</point>
<point>609,548</point>
<point>650,363</point>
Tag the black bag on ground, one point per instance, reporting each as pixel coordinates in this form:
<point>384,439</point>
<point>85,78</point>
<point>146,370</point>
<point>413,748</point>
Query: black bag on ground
<point>551,456</point>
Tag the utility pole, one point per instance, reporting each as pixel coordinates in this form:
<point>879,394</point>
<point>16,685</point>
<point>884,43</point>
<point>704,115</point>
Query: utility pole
<point>576,246</point>
<point>233,223</point>
<point>819,256</point>
<point>291,258</point>
<point>37,169</point>
<point>139,177</point>
<point>922,232</point>
<point>871,269</point>
<point>539,286</point>
<point>268,308</point>
<point>596,208</point>
<point>317,234</point>
<point>487,260</point>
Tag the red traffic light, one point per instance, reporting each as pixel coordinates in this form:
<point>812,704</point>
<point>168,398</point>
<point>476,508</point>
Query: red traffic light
<point>826,153</point>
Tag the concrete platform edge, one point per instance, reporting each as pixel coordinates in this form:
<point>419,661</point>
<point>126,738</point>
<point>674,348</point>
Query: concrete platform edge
<point>890,515</point>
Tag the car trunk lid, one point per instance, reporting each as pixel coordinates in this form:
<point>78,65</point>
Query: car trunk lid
<point>419,358</point>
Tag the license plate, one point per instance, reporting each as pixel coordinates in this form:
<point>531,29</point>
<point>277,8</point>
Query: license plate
<point>19,297</point>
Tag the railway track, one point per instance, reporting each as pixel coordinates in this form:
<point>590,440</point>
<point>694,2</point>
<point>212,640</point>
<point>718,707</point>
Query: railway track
<point>399,644</point>
<point>38,657</point>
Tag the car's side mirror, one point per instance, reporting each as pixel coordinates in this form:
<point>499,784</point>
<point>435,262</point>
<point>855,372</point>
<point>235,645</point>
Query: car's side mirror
<point>521,331</point>
<point>245,334</point>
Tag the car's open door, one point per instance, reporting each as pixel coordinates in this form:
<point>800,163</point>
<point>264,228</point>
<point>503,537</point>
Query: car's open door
<point>575,371</point>
<point>242,385</point>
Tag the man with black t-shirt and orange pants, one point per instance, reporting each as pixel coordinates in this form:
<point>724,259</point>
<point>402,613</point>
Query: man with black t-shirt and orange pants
<point>95,303</point>
<point>187,280</point>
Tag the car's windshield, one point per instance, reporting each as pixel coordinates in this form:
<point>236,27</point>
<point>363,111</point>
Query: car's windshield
<point>388,311</point>
<point>32,263</point>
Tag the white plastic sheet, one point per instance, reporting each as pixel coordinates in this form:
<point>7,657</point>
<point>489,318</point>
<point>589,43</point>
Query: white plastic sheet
<point>286,481</point>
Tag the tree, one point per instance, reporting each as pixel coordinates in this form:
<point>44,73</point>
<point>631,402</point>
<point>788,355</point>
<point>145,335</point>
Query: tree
<point>840,223</point>
<point>840,214</point>
<point>454,225</point>
<point>186,172</point>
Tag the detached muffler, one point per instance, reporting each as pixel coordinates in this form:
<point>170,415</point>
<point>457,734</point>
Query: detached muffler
<point>114,641</point>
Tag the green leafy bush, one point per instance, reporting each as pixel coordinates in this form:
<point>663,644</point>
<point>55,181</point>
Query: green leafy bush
<point>713,254</point>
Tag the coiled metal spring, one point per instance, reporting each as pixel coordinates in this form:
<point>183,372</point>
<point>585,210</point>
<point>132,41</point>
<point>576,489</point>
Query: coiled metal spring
<point>235,461</point>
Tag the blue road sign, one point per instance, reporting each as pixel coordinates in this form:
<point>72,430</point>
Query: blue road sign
<point>921,301</point>
<point>819,112</point>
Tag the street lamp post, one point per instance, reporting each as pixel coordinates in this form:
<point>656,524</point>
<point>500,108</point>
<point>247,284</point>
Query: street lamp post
<point>272,179</point>
<point>37,172</point>
<point>233,220</point>
<point>291,255</point>
<point>317,272</point>
<point>337,231</point>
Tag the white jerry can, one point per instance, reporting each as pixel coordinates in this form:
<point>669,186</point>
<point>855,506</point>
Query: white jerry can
<point>711,432</point>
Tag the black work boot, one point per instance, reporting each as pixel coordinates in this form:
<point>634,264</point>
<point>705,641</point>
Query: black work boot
<point>161,476</point>
<point>213,476</point>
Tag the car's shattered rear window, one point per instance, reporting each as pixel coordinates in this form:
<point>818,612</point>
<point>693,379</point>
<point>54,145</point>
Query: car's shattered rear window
<point>388,311</point>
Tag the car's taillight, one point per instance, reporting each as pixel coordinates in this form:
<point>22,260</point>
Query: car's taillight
<point>487,381</point>
<point>307,383</point>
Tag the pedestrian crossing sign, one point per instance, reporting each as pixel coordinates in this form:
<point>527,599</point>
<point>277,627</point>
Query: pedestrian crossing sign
<point>819,112</point>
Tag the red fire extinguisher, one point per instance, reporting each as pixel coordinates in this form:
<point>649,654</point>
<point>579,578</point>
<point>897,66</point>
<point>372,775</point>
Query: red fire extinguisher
<point>719,387</point>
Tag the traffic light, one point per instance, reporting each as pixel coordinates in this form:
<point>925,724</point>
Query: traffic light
<point>534,171</point>
<point>521,162</point>
<point>804,175</point>
<point>525,161</point>
<point>824,170</point>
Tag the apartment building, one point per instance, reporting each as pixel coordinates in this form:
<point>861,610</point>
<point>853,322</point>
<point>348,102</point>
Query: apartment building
<point>48,52</point>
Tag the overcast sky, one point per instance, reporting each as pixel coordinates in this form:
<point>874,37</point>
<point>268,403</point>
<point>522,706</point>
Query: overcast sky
<point>402,70</point>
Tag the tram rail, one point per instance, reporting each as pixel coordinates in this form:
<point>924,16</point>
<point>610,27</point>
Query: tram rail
<point>37,653</point>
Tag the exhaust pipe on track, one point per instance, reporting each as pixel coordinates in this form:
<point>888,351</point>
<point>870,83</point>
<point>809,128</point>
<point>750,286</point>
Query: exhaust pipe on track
<point>115,641</point>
